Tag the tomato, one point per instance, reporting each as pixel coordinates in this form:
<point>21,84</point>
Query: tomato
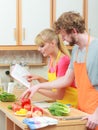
<point>27,107</point>
<point>37,109</point>
<point>25,101</point>
<point>16,107</point>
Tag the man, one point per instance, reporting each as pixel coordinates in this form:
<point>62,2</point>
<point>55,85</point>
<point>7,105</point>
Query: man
<point>83,66</point>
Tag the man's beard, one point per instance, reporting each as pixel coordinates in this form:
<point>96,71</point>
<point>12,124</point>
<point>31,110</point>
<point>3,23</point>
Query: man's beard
<point>73,41</point>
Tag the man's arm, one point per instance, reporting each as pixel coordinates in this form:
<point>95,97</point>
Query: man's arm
<point>61,82</point>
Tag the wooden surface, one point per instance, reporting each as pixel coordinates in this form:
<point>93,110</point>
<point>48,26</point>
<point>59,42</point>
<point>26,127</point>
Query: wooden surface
<point>11,118</point>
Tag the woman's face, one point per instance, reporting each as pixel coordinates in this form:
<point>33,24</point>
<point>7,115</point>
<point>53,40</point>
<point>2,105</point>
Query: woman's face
<point>46,49</point>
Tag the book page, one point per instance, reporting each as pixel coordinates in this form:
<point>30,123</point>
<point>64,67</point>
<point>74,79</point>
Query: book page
<point>19,74</point>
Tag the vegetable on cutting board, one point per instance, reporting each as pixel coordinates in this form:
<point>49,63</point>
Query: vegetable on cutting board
<point>59,109</point>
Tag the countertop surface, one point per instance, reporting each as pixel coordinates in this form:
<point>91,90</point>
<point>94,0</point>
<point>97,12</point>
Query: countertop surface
<point>74,116</point>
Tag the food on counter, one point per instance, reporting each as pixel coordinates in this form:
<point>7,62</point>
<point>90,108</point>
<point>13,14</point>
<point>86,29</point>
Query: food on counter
<point>22,111</point>
<point>27,107</point>
<point>7,97</point>
<point>16,107</point>
<point>35,111</point>
<point>59,109</point>
<point>25,101</point>
<point>9,107</point>
<point>29,114</point>
<point>24,107</point>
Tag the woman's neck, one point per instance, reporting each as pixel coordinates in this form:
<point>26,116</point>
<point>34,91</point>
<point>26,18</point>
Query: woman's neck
<point>54,54</point>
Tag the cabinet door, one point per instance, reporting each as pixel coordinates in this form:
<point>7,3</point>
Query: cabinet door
<point>2,121</point>
<point>93,17</point>
<point>35,17</point>
<point>67,5</point>
<point>7,22</point>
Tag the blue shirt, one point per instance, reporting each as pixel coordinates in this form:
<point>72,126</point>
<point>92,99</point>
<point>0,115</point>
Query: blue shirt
<point>91,62</point>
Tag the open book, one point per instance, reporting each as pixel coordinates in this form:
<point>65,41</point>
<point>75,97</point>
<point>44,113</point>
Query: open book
<point>19,74</point>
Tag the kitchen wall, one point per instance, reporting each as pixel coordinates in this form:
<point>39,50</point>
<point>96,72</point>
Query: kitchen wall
<point>21,57</point>
<point>93,17</point>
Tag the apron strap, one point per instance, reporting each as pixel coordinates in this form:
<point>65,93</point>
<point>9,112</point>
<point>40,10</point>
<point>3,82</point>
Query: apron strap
<point>86,50</point>
<point>57,58</point>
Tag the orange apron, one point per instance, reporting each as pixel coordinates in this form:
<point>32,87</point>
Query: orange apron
<point>87,94</point>
<point>70,96</point>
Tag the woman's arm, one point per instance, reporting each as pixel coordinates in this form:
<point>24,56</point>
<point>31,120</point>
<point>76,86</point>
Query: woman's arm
<point>35,77</point>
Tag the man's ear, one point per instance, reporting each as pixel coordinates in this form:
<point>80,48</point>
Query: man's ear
<point>74,30</point>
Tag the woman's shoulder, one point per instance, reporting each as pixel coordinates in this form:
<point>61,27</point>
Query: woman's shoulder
<point>64,59</point>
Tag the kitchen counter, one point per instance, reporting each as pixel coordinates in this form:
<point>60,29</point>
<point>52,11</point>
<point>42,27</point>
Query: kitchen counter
<point>13,122</point>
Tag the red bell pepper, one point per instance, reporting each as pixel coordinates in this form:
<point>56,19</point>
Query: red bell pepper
<point>27,107</point>
<point>25,101</point>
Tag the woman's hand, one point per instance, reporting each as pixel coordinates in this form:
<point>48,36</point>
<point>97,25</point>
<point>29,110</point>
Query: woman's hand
<point>35,77</point>
<point>31,77</point>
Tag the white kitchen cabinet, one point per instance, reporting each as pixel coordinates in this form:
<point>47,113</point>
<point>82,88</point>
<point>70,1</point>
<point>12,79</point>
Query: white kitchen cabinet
<point>93,17</point>
<point>35,17</point>
<point>22,20</point>
<point>7,22</point>
<point>67,5</point>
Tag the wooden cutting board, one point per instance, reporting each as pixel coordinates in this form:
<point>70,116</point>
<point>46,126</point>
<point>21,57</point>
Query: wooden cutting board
<point>74,114</point>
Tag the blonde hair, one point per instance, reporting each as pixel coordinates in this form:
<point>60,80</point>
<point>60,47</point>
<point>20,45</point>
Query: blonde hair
<point>48,35</point>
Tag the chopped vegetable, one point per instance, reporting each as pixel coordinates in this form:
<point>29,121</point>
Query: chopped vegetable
<point>10,107</point>
<point>16,107</point>
<point>37,109</point>
<point>29,114</point>
<point>25,101</point>
<point>27,107</point>
<point>21,111</point>
<point>7,97</point>
<point>59,109</point>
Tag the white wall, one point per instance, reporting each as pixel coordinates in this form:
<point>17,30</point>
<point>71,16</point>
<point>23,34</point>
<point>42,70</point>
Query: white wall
<point>93,17</point>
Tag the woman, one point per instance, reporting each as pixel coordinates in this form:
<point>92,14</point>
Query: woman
<point>50,45</point>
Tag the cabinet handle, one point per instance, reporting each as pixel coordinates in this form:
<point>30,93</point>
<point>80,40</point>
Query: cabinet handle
<point>15,34</point>
<point>23,34</point>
